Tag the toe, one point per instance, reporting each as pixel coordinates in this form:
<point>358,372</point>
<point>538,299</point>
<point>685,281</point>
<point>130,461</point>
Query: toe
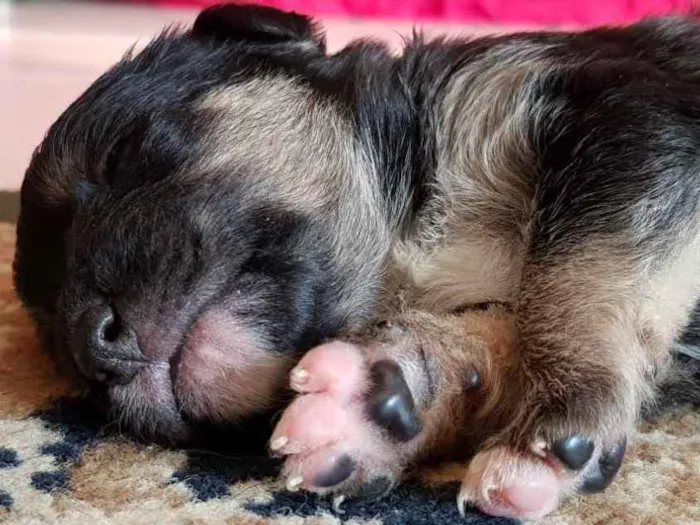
<point>532,496</point>
<point>501,483</point>
<point>310,422</point>
<point>336,367</point>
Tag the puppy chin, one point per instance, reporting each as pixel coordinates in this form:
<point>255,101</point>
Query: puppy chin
<point>227,371</point>
<point>147,405</point>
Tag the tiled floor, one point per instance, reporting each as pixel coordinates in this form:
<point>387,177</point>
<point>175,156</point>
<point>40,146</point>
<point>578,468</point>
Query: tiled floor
<point>50,52</point>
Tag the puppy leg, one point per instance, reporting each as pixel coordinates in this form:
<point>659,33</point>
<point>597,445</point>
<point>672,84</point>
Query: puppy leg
<point>592,324</point>
<point>608,281</point>
<point>418,387</point>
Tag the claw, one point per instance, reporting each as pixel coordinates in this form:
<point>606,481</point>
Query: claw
<point>294,483</point>
<point>279,443</point>
<point>464,499</point>
<point>299,376</point>
<point>337,502</point>
<point>539,448</point>
<point>461,505</point>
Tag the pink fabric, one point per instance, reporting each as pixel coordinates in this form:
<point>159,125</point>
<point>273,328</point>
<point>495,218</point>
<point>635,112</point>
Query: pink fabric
<point>583,12</point>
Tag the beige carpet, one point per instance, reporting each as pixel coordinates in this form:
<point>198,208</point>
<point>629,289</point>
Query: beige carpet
<point>58,464</point>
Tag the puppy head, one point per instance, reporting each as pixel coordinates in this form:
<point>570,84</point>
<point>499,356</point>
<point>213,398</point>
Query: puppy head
<point>173,244</point>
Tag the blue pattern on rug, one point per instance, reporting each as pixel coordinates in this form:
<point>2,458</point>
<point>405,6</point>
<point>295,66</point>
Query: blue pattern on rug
<point>8,458</point>
<point>209,475</point>
<point>50,481</point>
<point>408,504</point>
<point>5,499</point>
<point>78,424</point>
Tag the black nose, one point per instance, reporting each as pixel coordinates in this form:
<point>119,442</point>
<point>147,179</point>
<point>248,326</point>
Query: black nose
<point>104,349</point>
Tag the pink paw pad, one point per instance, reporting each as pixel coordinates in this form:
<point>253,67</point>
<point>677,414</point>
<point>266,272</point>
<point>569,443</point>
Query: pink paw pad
<point>336,368</point>
<point>325,432</point>
<point>502,483</point>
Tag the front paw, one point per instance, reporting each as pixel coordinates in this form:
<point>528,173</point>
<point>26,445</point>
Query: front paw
<point>344,432</point>
<point>529,484</point>
<point>366,411</point>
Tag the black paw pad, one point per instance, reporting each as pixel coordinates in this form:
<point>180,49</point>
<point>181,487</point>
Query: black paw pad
<point>336,474</point>
<point>473,380</point>
<point>608,465</point>
<point>574,451</point>
<point>390,403</point>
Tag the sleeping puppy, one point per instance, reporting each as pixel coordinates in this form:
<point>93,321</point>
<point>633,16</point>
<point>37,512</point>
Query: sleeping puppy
<point>480,248</point>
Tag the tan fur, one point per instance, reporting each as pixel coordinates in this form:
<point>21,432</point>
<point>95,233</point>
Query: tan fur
<point>592,325</point>
<point>579,328</point>
<point>259,123</point>
<point>475,253</point>
<point>670,293</point>
<point>444,350</point>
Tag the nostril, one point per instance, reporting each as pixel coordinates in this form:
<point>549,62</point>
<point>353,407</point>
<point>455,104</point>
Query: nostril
<point>111,328</point>
<point>106,326</point>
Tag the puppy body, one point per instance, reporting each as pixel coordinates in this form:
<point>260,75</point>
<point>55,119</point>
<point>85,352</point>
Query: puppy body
<point>231,197</point>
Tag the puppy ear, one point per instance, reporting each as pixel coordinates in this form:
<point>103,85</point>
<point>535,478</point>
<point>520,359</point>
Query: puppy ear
<point>256,23</point>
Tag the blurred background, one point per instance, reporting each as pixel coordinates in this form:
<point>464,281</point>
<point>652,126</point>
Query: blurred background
<point>51,50</point>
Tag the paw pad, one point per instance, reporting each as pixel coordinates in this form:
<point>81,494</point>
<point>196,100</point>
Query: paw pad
<point>390,403</point>
<point>339,471</point>
<point>574,451</point>
<point>609,464</point>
